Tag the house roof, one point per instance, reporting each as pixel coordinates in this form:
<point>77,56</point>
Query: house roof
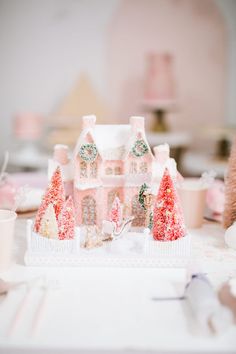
<point>114,142</point>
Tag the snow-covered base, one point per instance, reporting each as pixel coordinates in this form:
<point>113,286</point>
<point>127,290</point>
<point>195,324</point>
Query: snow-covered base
<point>133,250</point>
<point>180,248</point>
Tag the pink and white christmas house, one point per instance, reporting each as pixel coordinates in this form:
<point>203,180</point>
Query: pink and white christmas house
<point>110,161</point>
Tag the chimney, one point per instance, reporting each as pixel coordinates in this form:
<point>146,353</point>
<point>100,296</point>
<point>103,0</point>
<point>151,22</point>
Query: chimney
<point>162,153</point>
<point>61,154</point>
<point>89,121</point>
<point>137,123</point>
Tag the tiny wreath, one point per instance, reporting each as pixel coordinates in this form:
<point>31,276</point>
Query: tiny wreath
<point>140,148</point>
<point>88,152</point>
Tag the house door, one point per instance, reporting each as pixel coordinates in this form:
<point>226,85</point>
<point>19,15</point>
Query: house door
<point>89,214</point>
<point>138,212</point>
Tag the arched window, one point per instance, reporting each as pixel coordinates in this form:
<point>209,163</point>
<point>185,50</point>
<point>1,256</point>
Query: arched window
<point>133,167</point>
<point>93,169</point>
<point>83,169</point>
<point>89,213</point>
<point>138,212</point>
<point>143,167</point>
<point>108,171</point>
<point>117,170</point>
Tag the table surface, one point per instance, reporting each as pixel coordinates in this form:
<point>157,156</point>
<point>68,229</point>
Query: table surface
<point>111,309</point>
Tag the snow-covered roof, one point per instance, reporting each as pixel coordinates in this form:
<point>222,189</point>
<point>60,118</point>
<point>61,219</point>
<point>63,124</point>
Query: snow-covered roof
<point>113,142</point>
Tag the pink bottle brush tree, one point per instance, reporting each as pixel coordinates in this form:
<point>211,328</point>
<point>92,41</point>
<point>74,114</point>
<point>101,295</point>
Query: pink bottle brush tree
<point>168,223</point>
<point>55,195</point>
<point>66,222</point>
<point>116,212</point>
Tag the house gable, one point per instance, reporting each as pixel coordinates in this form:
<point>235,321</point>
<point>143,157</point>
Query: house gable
<point>87,160</point>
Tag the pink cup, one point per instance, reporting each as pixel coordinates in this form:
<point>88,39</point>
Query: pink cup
<point>193,200</point>
<point>7,224</point>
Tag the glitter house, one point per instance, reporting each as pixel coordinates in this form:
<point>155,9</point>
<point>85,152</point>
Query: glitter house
<point>110,161</point>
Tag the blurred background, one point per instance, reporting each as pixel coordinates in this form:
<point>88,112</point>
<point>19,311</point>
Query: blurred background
<point>172,61</point>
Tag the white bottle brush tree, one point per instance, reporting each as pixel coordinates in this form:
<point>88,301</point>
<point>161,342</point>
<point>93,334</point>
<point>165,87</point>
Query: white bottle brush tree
<point>49,226</point>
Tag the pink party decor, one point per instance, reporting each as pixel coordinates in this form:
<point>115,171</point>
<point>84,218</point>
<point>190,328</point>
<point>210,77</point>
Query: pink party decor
<point>168,221</point>
<point>54,195</point>
<point>159,82</point>
<point>215,198</point>
<point>110,161</point>
<point>192,194</point>
<point>66,222</point>
<point>61,154</point>
<point>28,126</point>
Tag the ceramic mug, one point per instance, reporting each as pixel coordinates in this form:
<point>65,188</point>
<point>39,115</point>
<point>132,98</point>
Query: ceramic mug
<point>192,194</point>
<point>7,226</point>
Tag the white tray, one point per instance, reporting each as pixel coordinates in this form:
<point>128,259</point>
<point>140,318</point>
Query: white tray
<point>134,250</point>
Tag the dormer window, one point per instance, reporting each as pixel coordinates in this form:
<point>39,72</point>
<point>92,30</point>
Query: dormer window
<point>108,171</point>
<point>117,170</point>
<point>83,169</point>
<point>93,169</point>
<point>143,167</point>
<point>133,167</point>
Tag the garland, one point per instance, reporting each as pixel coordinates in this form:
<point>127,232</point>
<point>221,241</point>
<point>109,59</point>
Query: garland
<point>88,152</point>
<point>140,148</point>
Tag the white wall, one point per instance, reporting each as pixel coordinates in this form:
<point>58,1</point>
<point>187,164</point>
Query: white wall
<point>44,44</point>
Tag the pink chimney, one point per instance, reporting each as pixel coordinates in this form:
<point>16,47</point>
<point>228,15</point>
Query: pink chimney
<point>89,121</point>
<point>137,123</point>
<point>61,153</point>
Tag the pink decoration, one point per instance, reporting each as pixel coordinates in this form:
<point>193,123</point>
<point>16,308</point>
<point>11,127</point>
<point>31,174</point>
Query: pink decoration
<point>66,221</point>
<point>28,126</point>
<point>215,197</point>
<point>159,79</point>
<point>55,194</point>
<point>7,194</point>
<point>89,121</point>
<point>116,212</point>
<point>61,154</point>
<point>111,161</point>
<point>168,224</point>
<point>137,123</point>
<point>162,153</point>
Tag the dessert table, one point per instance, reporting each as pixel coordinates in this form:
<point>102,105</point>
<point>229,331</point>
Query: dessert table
<point>106,310</point>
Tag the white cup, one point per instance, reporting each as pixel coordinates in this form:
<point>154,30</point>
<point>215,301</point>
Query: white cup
<point>192,194</point>
<point>7,224</point>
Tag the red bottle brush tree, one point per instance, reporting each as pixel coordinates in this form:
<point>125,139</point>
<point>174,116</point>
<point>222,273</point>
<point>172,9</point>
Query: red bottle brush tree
<point>55,195</point>
<point>168,223</point>
<point>116,212</point>
<point>229,215</point>
<point>66,222</point>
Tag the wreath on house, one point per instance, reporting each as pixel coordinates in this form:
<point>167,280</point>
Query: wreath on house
<point>88,152</point>
<point>140,148</point>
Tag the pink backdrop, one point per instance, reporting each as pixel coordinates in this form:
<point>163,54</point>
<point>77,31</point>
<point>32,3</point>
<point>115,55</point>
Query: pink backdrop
<point>194,32</point>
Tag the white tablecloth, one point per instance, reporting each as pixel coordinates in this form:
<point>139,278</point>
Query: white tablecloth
<point>111,309</point>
